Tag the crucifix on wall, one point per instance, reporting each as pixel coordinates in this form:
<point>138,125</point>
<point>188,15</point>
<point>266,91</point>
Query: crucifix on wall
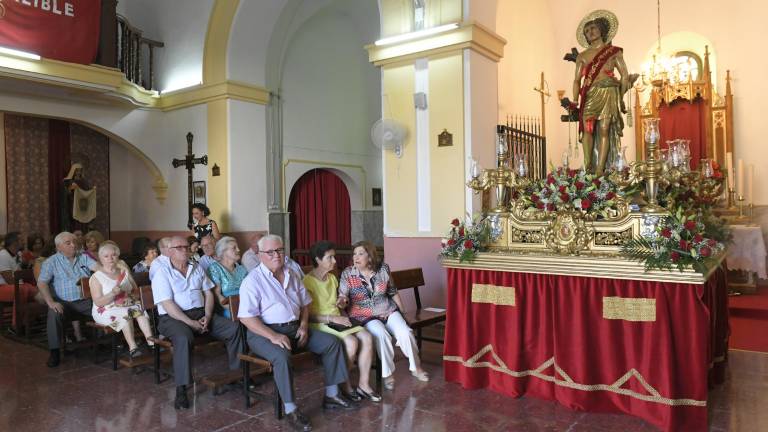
<point>189,163</point>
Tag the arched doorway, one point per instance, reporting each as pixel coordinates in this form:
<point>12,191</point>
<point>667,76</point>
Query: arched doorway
<point>319,210</point>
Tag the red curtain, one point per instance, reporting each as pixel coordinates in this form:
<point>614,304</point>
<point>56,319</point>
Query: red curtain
<point>554,343</point>
<point>320,210</point>
<point>58,167</point>
<point>684,119</point>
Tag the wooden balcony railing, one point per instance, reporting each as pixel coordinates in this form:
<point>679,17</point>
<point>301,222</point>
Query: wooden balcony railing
<point>135,54</point>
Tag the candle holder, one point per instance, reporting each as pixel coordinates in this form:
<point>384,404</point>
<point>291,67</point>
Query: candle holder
<point>652,168</point>
<point>731,199</point>
<point>742,217</point>
<point>751,213</point>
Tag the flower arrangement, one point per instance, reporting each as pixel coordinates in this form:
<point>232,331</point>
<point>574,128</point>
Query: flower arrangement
<point>567,189</point>
<point>682,239</point>
<point>465,239</point>
<point>693,191</point>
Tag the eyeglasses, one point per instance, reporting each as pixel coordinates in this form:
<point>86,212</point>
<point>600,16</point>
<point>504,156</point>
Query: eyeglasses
<point>271,253</point>
<point>180,247</point>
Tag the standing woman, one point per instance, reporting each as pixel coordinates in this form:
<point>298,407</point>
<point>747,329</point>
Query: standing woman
<point>325,316</point>
<point>202,225</point>
<point>374,302</point>
<point>226,273</point>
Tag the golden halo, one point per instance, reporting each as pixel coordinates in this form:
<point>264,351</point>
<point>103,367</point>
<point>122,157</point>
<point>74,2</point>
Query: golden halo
<point>599,13</point>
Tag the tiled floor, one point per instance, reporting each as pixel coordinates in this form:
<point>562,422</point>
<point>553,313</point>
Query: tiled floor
<point>82,396</point>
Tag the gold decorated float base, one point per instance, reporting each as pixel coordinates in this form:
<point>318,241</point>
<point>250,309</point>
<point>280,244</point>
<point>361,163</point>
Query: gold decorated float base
<point>604,267</point>
<point>568,232</point>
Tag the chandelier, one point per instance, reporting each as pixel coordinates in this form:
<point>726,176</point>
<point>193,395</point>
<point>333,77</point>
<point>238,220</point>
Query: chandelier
<point>664,69</point>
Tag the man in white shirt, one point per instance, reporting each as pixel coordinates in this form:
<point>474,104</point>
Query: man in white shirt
<point>162,260</point>
<point>8,261</point>
<point>250,259</point>
<point>185,302</point>
<point>208,245</point>
<point>274,309</point>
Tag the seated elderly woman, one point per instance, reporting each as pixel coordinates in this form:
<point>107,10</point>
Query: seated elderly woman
<point>325,316</point>
<point>93,239</point>
<point>374,302</point>
<point>226,273</point>
<point>148,255</point>
<point>113,305</point>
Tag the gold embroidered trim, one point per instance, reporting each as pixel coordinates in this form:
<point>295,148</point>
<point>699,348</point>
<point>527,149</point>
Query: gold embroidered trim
<point>565,381</point>
<point>629,309</point>
<point>497,295</point>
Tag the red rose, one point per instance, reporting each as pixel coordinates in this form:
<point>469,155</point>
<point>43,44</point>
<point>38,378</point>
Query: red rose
<point>468,244</point>
<point>705,251</point>
<point>690,225</point>
<point>698,238</point>
<point>711,242</point>
<point>572,173</point>
<point>550,179</point>
<point>534,198</point>
<point>592,196</point>
<point>579,185</point>
<point>451,242</point>
<point>455,222</point>
<point>461,232</point>
<point>596,182</point>
<point>564,197</point>
<point>718,174</point>
<point>666,233</point>
<point>683,244</point>
<point>550,207</point>
<point>562,189</point>
<point>540,205</point>
<point>715,165</point>
<point>586,204</point>
<point>674,256</point>
<point>610,195</point>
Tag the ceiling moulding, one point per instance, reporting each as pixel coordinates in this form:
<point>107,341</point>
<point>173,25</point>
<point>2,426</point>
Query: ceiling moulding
<point>468,35</point>
<point>110,85</point>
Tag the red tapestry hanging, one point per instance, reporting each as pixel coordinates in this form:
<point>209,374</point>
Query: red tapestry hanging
<point>66,30</point>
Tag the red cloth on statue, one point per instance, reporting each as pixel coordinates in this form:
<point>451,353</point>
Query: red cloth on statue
<point>554,343</point>
<point>685,120</point>
<point>26,294</point>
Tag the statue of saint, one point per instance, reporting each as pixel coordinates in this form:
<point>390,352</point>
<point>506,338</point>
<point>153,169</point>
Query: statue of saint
<point>78,204</point>
<point>597,91</point>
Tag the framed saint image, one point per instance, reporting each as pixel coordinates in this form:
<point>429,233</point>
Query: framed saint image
<point>376,197</point>
<point>198,192</point>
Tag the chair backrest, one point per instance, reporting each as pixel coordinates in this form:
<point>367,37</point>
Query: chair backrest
<point>407,279</point>
<point>26,275</point>
<point>85,288</point>
<point>141,279</point>
<point>234,306</point>
<point>7,276</point>
<point>147,298</point>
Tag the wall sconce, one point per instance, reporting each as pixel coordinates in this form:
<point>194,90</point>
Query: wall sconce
<point>215,170</point>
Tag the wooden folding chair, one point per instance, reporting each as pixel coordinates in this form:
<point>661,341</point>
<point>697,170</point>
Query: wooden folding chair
<point>420,318</point>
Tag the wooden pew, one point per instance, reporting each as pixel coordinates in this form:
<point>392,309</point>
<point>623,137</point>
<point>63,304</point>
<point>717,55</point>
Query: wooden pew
<point>420,318</point>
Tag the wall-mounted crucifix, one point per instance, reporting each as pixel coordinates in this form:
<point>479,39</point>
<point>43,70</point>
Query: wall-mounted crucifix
<point>189,163</point>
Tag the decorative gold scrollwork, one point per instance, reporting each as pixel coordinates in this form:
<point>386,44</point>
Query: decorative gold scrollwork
<point>568,234</point>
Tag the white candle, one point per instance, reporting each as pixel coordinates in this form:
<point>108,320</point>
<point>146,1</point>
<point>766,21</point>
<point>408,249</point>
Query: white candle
<point>740,182</point>
<point>751,176</point>
<point>729,167</point>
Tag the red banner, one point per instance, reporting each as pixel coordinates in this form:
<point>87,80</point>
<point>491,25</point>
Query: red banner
<point>66,30</point>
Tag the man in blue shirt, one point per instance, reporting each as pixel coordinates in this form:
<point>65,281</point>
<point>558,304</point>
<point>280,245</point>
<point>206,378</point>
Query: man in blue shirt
<point>63,272</point>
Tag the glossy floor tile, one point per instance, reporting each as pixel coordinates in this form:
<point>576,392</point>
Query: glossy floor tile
<point>83,396</point>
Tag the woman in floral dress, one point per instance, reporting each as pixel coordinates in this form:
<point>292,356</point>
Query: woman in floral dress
<point>113,304</point>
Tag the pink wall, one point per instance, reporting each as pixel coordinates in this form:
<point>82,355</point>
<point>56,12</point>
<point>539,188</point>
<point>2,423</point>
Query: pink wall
<point>408,252</point>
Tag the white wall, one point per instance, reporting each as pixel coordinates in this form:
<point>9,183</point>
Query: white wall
<point>331,93</point>
<point>548,30</point>
<point>181,25</point>
<point>249,40</point>
<point>247,162</point>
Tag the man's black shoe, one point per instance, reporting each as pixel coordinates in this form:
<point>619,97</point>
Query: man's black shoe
<point>181,400</point>
<point>354,396</point>
<point>54,359</point>
<point>337,402</point>
<point>299,421</point>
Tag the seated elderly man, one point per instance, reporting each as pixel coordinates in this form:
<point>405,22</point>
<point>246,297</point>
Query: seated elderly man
<point>208,245</point>
<point>65,269</point>
<point>185,302</point>
<point>274,308</point>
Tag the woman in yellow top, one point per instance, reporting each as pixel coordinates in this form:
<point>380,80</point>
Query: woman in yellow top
<point>325,316</point>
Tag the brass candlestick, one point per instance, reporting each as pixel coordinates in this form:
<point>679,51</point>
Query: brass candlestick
<point>731,199</point>
<point>751,213</point>
<point>741,216</point>
<point>652,168</point>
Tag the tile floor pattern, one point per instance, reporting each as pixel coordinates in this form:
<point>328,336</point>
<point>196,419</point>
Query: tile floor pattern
<point>83,396</point>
